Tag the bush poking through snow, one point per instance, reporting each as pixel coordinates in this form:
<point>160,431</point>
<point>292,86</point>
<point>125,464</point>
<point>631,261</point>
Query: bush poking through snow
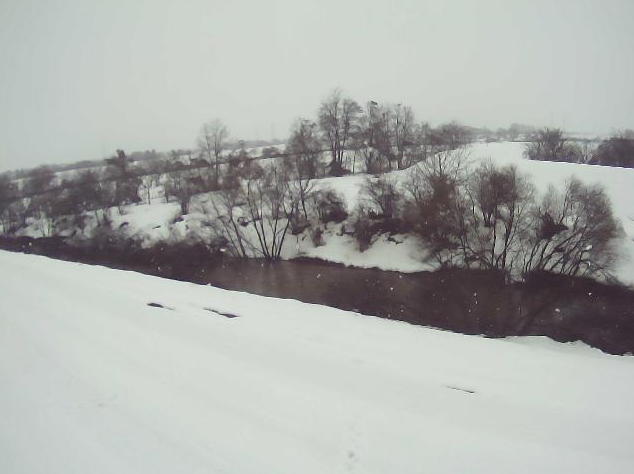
<point>381,197</point>
<point>330,206</point>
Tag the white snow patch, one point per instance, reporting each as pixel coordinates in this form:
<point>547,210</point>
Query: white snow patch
<point>402,253</point>
<point>94,380</point>
<point>147,223</point>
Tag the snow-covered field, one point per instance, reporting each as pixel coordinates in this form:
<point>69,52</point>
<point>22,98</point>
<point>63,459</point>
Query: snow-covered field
<point>92,380</point>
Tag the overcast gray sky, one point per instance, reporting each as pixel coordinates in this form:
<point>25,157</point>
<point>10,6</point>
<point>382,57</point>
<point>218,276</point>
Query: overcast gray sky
<point>80,78</point>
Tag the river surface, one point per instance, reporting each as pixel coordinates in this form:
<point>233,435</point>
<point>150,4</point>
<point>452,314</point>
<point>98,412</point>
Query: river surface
<point>467,301</point>
<point>440,299</point>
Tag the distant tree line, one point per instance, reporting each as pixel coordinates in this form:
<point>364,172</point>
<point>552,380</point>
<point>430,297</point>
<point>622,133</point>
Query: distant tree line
<point>551,144</point>
<point>382,137</point>
<point>379,138</point>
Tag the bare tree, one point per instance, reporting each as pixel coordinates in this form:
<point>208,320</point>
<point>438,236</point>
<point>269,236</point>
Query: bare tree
<point>585,151</point>
<point>450,136</point>
<point>226,207</point>
<point>300,163</point>
<point>371,141</point>
<point>254,214</point>
<point>330,205</point>
<point>477,218</point>
<point>432,207</point>
<point>387,137</point>
<point>22,209</point>
<point>548,144</point>
<point>39,180</point>
<point>618,150</point>
<point>574,232</point>
<point>430,212</point>
<point>403,131</point>
<point>126,182</point>
<point>48,207</point>
<point>453,163</point>
<point>496,212</point>
<point>8,194</point>
<point>118,166</point>
<point>152,172</point>
<point>381,197</point>
<point>518,131</point>
<point>271,208</point>
<point>88,193</point>
<point>182,186</point>
<point>338,120</point>
<point>147,182</point>
<point>212,140</point>
<point>422,148</point>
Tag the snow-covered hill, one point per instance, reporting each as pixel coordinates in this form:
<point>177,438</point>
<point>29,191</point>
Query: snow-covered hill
<point>92,379</point>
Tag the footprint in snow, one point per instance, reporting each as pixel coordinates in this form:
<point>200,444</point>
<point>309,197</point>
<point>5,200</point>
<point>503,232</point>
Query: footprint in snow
<point>226,315</point>
<point>354,443</point>
<point>159,305</point>
<point>465,390</point>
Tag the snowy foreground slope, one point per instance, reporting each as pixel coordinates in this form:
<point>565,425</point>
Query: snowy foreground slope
<point>92,380</point>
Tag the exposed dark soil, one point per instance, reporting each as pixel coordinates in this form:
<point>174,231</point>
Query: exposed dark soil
<point>466,301</point>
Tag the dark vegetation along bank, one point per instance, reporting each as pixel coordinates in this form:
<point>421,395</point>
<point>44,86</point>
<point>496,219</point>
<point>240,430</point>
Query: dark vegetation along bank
<point>471,301</point>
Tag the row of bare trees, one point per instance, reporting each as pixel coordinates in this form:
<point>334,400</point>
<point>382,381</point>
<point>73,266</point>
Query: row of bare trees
<point>52,199</point>
<point>376,139</point>
<point>478,217</point>
<point>384,136</point>
<point>551,144</point>
<point>492,218</point>
<point>68,202</point>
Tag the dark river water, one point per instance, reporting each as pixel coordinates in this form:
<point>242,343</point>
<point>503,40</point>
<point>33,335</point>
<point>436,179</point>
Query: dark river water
<point>467,301</point>
<point>421,298</point>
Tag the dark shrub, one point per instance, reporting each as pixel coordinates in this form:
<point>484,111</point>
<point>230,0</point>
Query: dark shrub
<point>616,151</point>
<point>362,228</point>
<point>330,206</point>
<point>550,144</point>
<point>381,197</point>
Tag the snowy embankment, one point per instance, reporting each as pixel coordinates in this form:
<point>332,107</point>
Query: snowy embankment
<point>94,380</point>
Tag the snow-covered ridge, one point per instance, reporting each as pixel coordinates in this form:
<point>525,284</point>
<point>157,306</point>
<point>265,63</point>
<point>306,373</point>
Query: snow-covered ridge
<point>95,380</point>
